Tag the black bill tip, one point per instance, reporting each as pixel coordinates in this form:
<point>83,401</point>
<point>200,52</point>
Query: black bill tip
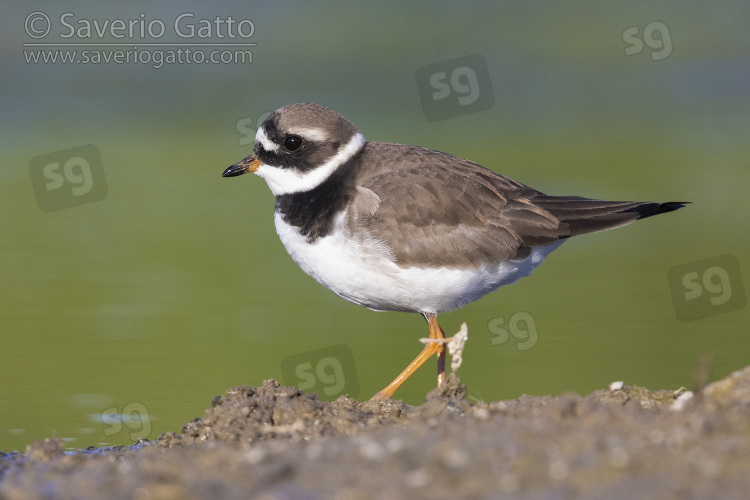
<point>249,164</point>
<point>234,171</point>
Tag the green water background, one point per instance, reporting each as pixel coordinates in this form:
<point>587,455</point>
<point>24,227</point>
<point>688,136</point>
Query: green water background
<point>175,287</point>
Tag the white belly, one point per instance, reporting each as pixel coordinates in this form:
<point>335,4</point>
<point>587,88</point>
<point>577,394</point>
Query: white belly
<point>364,272</point>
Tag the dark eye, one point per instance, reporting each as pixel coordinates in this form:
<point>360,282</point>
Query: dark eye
<point>292,143</point>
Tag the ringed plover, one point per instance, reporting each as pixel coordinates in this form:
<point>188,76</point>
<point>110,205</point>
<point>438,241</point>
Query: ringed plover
<point>403,228</point>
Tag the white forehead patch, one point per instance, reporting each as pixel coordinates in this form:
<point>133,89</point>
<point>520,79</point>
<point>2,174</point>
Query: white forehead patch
<point>288,180</point>
<point>262,138</point>
<point>313,134</point>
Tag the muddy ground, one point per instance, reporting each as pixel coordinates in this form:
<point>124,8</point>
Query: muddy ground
<point>276,442</point>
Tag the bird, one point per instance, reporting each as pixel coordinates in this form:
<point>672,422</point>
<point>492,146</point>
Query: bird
<point>394,227</point>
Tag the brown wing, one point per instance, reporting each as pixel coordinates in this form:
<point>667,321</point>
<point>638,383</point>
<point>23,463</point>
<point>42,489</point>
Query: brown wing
<point>465,215</point>
<point>460,214</point>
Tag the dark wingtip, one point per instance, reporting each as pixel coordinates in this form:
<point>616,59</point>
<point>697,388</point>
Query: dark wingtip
<point>671,206</point>
<point>662,208</point>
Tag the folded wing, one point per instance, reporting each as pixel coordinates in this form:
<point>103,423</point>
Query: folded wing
<point>465,215</point>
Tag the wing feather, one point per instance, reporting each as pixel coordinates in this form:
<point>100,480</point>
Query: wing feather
<point>465,215</point>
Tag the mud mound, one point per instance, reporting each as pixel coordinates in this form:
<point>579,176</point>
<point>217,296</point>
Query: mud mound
<point>278,442</point>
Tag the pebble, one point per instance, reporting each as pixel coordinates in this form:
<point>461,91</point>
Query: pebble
<point>616,386</point>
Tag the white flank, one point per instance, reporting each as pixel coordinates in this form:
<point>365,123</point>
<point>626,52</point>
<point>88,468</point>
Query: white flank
<point>289,180</point>
<point>361,270</point>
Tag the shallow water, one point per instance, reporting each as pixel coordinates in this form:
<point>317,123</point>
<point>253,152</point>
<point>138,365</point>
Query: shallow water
<point>122,317</point>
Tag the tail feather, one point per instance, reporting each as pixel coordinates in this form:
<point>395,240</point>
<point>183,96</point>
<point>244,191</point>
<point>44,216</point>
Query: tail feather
<point>582,215</point>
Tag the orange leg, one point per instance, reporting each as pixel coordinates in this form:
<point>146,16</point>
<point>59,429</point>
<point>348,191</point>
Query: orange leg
<point>433,347</point>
